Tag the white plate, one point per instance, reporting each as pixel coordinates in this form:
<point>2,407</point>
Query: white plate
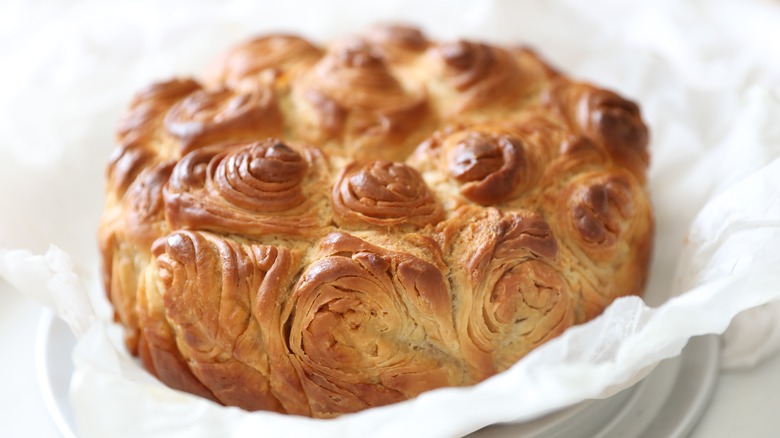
<point>54,346</point>
<point>666,404</point>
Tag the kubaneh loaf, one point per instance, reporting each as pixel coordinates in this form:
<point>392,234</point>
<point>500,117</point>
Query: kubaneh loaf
<point>318,230</point>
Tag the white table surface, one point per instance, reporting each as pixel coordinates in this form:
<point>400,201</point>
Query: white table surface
<point>746,404</point>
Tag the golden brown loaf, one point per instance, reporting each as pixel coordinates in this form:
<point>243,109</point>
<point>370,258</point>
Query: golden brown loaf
<point>319,230</point>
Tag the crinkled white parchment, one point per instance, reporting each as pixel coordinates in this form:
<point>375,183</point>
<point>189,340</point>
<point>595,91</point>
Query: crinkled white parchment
<point>705,73</point>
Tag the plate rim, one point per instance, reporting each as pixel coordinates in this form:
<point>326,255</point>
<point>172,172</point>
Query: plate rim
<point>64,425</point>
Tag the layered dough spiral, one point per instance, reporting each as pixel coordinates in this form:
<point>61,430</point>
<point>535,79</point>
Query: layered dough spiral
<point>253,189</point>
<point>515,295</point>
<point>383,193</point>
<point>370,326</point>
<point>321,230</point>
<point>477,75</point>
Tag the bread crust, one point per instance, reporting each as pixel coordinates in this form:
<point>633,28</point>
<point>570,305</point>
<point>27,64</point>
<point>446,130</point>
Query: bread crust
<point>318,230</point>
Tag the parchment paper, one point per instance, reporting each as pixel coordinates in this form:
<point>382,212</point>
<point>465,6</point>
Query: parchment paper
<point>705,73</point>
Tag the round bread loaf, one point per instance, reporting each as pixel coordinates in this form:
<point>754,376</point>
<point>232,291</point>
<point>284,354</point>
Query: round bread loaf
<point>320,230</point>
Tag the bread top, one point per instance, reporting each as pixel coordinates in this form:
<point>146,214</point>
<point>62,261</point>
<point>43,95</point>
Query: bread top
<point>385,215</point>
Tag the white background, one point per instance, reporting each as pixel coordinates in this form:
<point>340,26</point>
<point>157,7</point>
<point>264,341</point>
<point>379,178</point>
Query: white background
<point>745,403</point>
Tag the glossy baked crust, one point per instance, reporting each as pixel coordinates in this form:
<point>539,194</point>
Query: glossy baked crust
<point>320,230</point>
